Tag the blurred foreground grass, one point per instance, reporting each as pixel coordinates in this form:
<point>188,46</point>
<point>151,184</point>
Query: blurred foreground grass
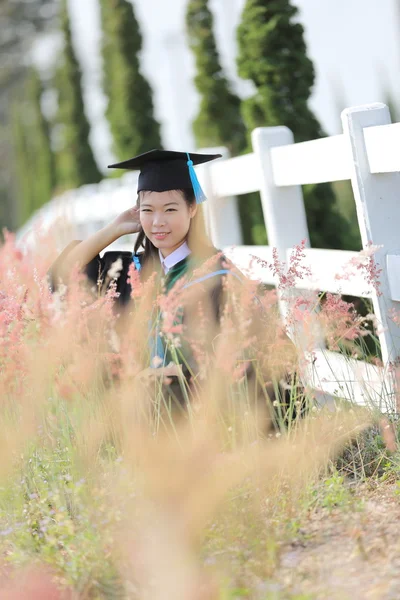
<point>107,492</point>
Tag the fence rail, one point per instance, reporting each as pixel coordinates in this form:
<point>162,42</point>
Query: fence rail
<point>329,269</point>
<point>368,154</point>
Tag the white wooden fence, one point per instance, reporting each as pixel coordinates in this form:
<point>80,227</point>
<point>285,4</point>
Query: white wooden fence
<point>368,154</point>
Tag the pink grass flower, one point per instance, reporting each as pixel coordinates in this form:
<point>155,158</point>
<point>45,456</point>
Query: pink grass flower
<point>340,321</point>
<point>366,264</point>
<point>287,275</point>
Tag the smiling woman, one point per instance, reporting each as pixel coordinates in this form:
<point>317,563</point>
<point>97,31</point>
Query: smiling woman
<point>189,277</point>
<point>165,218</point>
<point>172,224</point>
<point>171,240</point>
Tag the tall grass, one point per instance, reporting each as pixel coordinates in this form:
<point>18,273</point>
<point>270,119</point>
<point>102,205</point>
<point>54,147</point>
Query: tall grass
<point>110,487</point>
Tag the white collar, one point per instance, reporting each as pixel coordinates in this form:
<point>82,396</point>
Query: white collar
<point>176,256</point>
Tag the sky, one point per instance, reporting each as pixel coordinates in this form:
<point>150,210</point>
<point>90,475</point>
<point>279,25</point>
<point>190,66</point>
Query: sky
<point>354,44</point>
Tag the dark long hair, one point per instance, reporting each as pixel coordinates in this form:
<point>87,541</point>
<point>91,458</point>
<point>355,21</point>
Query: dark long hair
<point>197,239</point>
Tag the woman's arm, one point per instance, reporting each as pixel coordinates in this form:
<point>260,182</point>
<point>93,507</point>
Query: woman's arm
<point>83,252</point>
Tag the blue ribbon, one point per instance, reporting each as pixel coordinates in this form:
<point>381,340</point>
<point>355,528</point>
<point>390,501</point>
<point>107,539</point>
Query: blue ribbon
<point>213,274</point>
<point>155,342</point>
<point>157,349</point>
<point>136,260</point>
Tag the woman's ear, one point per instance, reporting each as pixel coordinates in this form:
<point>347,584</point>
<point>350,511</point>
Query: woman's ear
<point>193,210</point>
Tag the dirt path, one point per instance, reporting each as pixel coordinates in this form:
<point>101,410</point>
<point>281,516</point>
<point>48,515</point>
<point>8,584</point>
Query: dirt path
<point>346,554</point>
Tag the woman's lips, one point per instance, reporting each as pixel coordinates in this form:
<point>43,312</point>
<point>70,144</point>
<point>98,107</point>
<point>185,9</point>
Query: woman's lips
<point>160,236</point>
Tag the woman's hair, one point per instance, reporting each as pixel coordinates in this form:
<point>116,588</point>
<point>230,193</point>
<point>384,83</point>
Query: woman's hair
<point>197,239</point>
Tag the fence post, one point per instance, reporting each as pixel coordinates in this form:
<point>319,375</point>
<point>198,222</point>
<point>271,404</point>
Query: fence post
<point>283,207</point>
<point>286,223</point>
<point>377,198</point>
<point>221,214</point>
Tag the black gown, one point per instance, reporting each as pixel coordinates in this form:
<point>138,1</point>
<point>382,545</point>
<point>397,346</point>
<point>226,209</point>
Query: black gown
<point>96,271</point>
<point>98,268</point>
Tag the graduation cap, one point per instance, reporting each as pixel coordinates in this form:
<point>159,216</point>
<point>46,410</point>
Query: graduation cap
<point>164,170</point>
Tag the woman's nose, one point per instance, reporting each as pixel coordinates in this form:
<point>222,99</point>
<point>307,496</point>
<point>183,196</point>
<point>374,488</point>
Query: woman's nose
<point>159,219</point>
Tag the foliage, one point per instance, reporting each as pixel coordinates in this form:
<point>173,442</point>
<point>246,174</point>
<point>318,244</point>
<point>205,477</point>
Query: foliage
<point>34,160</point>
<point>219,121</point>
<point>75,163</point>
<point>273,55</point>
<point>130,110</point>
<point>22,158</point>
<point>20,22</point>
<point>118,494</point>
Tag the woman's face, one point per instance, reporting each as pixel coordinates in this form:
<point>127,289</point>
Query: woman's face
<point>165,218</point>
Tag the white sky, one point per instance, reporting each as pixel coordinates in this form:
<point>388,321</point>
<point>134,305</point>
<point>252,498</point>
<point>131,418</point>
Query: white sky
<point>355,46</point>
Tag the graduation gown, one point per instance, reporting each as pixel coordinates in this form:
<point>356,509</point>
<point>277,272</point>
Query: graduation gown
<point>97,271</point>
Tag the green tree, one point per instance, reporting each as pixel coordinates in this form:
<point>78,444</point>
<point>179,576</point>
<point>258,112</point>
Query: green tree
<point>20,22</point>
<point>273,55</point>
<point>219,121</point>
<point>75,163</point>
<point>22,162</point>
<point>130,110</point>
<point>39,139</point>
<point>33,157</point>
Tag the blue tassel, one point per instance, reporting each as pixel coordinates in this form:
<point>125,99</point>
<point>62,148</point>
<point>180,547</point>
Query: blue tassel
<point>198,192</point>
<point>136,260</point>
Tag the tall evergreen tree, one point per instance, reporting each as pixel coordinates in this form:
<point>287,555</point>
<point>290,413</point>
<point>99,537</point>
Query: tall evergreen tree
<point>44,165</point>
<point>273,54</point>
<point>219,121</point>
<point>34,161</point>
<point>22,162</point>
<point>75,163</point>
<point>130,110</point>
<point>20,22</point>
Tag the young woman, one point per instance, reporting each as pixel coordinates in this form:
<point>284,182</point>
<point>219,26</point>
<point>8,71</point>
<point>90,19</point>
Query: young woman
<point>171,242</point>
<point>171,239</point>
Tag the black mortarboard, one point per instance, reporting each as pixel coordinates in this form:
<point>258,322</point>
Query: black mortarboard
<point>164,170</point>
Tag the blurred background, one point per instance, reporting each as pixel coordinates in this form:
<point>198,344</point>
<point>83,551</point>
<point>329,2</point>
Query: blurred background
<point>86,82</point>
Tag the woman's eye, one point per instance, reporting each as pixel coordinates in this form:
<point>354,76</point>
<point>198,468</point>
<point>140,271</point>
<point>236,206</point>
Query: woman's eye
<point>171,209</point>
<point>146,210</point>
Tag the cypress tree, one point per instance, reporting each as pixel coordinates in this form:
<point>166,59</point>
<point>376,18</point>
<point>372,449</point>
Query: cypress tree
<point>39,138</point>
<point>34,161</point>
<point>22,163</point>
<point>219,121</point>
<point>130,99</point>
<point>75,163</point>
<point>273,54</point>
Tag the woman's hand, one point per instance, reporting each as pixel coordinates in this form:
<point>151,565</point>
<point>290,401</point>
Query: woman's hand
<point>82,253</point>
<point>150,375</point>
<point>127,222</point>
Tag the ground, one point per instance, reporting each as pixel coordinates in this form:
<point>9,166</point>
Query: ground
<point>346,554</point>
